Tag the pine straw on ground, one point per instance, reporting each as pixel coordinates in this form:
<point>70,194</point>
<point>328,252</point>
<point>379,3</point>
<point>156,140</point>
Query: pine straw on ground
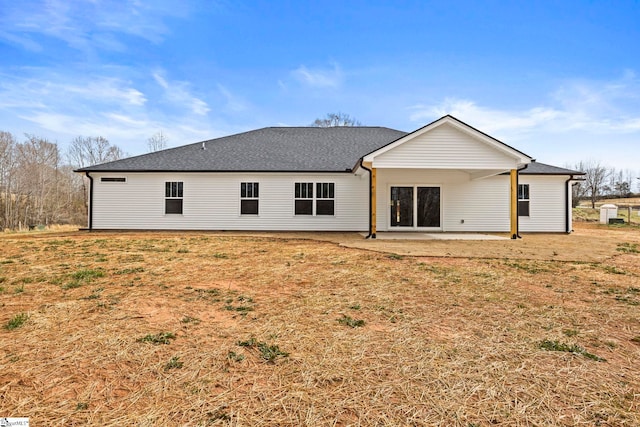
<point>261,336</point>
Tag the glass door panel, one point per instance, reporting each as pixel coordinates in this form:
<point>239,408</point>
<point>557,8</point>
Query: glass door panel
<point>402,206</point>
<point>428,206</point>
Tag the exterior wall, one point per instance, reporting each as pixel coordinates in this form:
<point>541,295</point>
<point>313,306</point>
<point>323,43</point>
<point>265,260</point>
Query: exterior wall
<point>212,202</point>
<point>547,205</point>
<point>483,204</point>
<point>445,148</point>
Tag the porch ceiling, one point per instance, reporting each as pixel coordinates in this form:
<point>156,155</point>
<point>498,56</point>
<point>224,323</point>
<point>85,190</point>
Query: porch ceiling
<point>483,173</point>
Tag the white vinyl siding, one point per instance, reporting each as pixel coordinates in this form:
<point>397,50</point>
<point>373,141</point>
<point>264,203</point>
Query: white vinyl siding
<point>482,204</point>
<point>212,202</point>
<point>445,148</point>
<point>547,204</point>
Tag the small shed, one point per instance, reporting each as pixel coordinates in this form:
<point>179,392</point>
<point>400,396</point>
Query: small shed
<point>607,212</point>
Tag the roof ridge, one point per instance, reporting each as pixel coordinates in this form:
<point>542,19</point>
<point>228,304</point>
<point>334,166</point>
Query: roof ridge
<point>328,127</point>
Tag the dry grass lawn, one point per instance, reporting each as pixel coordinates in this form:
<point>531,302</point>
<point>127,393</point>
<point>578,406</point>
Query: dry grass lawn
<point>113,329</point>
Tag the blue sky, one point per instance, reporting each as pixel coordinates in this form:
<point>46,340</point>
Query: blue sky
<point>558,80</point>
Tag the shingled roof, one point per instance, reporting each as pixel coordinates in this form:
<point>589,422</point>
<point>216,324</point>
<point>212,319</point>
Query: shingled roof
<point>536,168</point>
<point>273,149</point>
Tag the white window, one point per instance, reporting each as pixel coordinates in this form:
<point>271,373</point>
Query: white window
<point>249,198</point>
<point>304,198</point>
<point>325,198</point>
<point>320,203</point>
<point>173,197</point>
<point>523,199</point>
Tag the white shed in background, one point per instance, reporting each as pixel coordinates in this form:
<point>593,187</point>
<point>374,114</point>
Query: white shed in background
<point>607,212</point>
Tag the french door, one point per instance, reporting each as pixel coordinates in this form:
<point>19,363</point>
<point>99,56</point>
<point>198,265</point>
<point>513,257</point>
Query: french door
<point>415,207</point>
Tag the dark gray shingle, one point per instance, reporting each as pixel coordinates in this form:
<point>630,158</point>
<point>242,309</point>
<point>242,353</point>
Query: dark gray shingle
<point>294,149</point>
<point>536,168</point>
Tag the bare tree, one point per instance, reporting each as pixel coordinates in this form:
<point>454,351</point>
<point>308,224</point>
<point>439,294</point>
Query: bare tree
<point>336,119</point>
<point>157,142</point>
<point>623,183</point>
<point>38,188</point>
<point>579,188</point>
<point>7,165</point>
<point>88,151</point>
<point>595,179</point>
<point>38,163</point>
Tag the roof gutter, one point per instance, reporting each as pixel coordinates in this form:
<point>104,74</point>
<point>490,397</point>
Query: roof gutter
<point>370,235</point>
<point>90,200</point>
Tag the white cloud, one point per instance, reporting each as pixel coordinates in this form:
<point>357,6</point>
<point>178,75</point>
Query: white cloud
<point>61,107</point>
<point>160,80</point>
<point>108,89</point>
<point>87,25</point>
<point>319,78</point>
<point>178,93</point>
<point>47,90</point>
<point>578,105</point>
<point>126,120</point>
<point>22,41</point>
<point>234,103</point>
<point>487,119</point>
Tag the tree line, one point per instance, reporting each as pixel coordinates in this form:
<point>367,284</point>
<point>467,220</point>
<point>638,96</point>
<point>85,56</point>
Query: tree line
<point>37,182</point>
<point>603,182</point>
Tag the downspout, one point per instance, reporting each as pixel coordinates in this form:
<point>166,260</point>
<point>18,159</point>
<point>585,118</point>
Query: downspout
<point>566,202</point>
<point>370,235</point>
<point>90,201</point>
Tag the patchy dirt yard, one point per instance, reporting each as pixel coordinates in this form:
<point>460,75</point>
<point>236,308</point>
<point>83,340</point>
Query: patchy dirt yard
<point>225,329</point>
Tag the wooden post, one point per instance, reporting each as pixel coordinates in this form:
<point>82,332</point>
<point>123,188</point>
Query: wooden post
<point>514,203</point>
<point>373,202</point>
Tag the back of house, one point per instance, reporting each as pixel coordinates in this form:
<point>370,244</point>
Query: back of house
<point>446,176</point>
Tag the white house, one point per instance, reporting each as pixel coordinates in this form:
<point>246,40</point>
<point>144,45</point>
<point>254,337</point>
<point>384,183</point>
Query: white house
<point>445,176</point>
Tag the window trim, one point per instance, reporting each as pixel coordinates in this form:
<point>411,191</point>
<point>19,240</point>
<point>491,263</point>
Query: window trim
<point>330,196</point>
<point>312,187</point>
<point>524,190</point>
<point>174,193</point>
<point>415,186</point>
<point>303,196</point>
<point>113,179</point>
<point>249,195</point>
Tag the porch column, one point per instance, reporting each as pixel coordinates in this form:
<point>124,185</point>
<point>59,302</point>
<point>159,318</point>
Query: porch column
<point>514,203</point>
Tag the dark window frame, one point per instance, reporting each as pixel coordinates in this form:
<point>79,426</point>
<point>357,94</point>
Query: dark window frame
<point>249,198</point>
<point>116,179</point>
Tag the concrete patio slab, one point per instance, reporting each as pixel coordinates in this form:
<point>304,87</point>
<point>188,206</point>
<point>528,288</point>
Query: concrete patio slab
<point>399,235</point>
